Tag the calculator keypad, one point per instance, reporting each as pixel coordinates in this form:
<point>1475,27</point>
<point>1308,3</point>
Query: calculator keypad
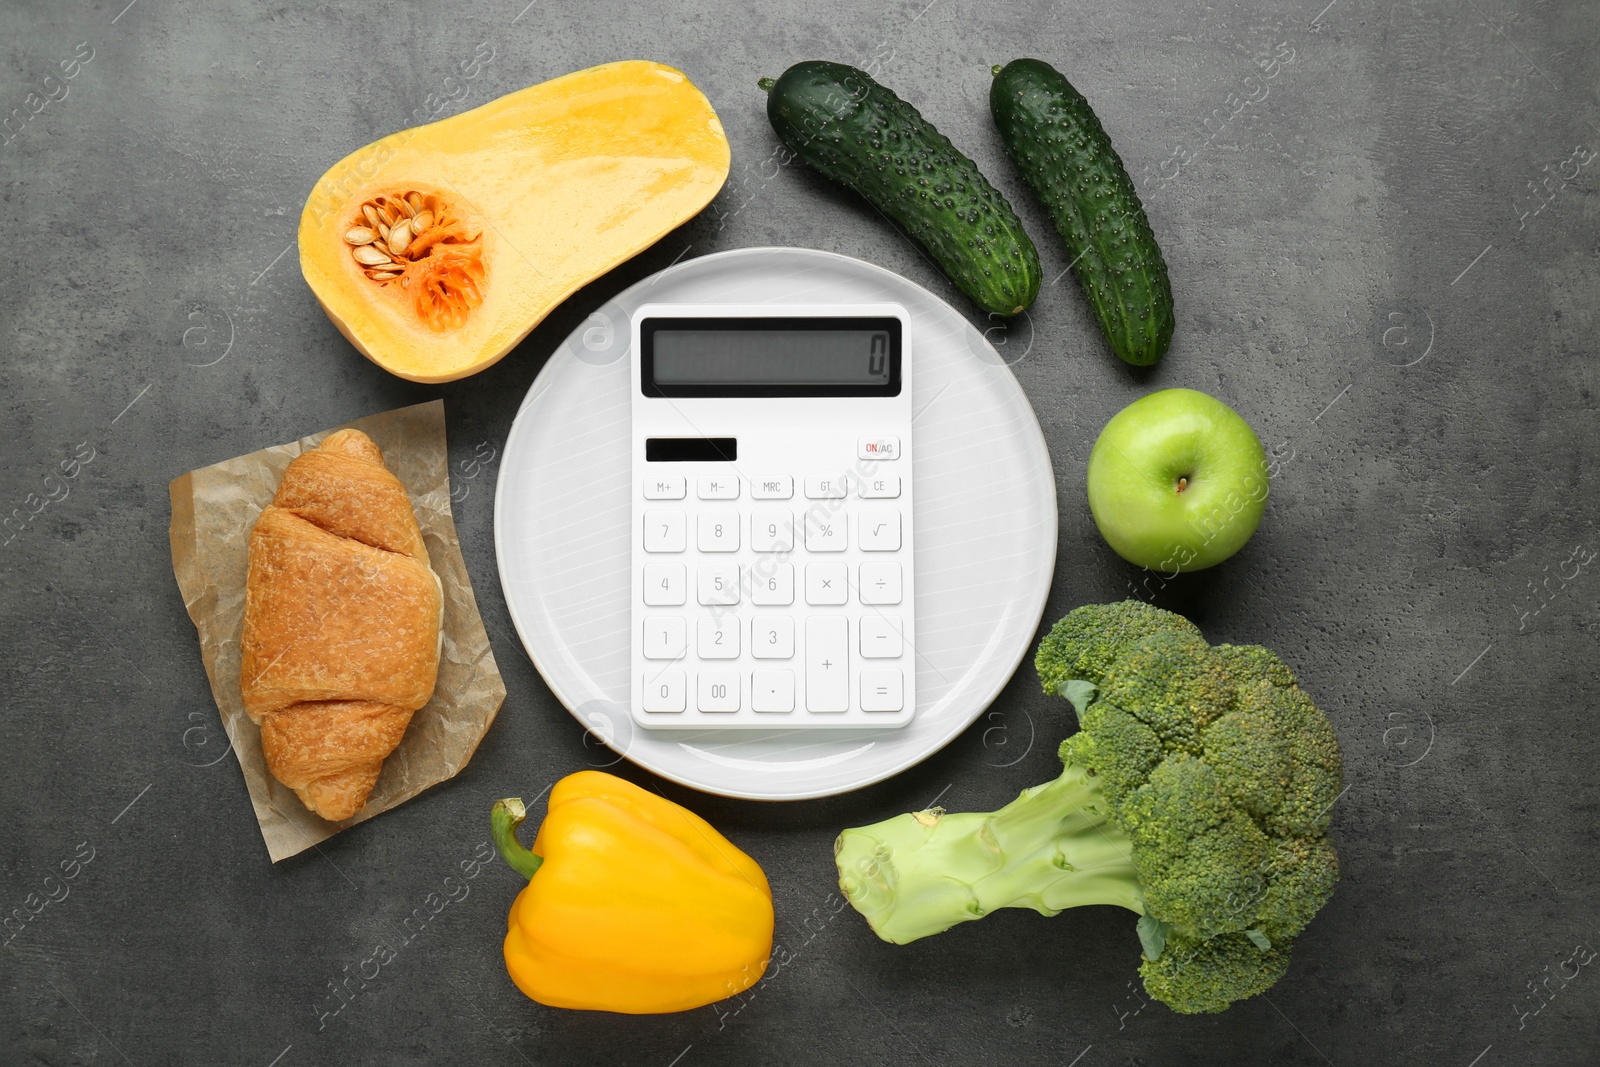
<point>880,582</point>
<point>772,637</point>
<point>664,691</point>
<point>882,690</point>
<point>665,531</point>
<point>772,531</point>
<point>665,487</point>
<point>772,692</point>
<point>719,637</point>
<point>879,530</point>
<point>718,691</point>
<point>665,637</point>
<point>718,584</point>
<point>827,663</point>
<point>772,487</point>
<point>719,530</point>
<point>665,585</point>
<point>880,637</point>
<point>826,531</point>
<point>719,487</point>
<point>772,585</point>
<point>726,631</point>
<point>822,487</point>
<point>827,584</point>
<point>878,487</point>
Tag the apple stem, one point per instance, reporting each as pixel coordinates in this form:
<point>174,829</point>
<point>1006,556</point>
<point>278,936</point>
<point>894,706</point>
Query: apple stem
<point>1183,483</point>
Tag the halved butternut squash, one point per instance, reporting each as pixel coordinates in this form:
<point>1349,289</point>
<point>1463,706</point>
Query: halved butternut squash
<point>436,249</point>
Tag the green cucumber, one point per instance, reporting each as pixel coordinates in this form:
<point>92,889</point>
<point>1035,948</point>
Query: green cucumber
<point>1058,144</point>
<point>851,129</point>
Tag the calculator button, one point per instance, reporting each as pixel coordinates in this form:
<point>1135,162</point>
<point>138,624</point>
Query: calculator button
<point>772,585</point>
<point>772,691</point>
<point>664,585</point>
<point>827,663</point>
<point>717,691</point>
<point>664,487</point>
<point>665,531</point>
<point>719,530</point>
<point>719,487</point>
<point>882,690</point>
<point>779,488</point>
<point>719,637</point>
<point>827,583</point>
<point>772,531</point>
<point>825,531</point>
<point>665,637</point>
<point>880,583</point>
<point>820,488</point>
<point>880,637</point>
<point>663,691</point>
<point>881,487</point>
<point>878,448</point>
<point>772,637</point>
<point>879,530</point>
<point>717,583</point>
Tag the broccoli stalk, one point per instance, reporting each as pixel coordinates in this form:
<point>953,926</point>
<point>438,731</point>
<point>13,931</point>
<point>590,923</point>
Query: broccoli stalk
<point>1050,849</point>
<point>1197,793</point>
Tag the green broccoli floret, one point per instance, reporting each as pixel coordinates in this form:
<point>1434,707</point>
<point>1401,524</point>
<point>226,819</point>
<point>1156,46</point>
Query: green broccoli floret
<point>1088,640</point>
<point>1210,974</point>
<point>1197,793</point>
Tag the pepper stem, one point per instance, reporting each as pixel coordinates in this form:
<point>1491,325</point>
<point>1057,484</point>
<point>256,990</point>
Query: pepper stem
<point>765,85</point>
<point>504,818</point>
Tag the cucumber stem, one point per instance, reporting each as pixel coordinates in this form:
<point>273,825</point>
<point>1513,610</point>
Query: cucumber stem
<point>766,84</point>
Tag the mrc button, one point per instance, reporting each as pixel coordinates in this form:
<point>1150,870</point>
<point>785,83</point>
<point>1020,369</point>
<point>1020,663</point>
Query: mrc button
<point>878,448</point>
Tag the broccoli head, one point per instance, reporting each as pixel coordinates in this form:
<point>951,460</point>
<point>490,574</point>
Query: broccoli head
<point>1197,792</point>
<point>1088,640</point>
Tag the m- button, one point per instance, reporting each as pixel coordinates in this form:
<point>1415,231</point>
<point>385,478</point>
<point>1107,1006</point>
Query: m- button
<point>719,487</point>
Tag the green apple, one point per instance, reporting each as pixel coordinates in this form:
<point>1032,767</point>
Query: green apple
<point>1177,481</point>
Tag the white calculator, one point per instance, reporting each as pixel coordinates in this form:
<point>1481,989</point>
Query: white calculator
<point>773,585</point>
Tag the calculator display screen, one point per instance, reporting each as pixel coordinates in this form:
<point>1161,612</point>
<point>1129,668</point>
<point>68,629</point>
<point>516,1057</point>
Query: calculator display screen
<point>802,356</point>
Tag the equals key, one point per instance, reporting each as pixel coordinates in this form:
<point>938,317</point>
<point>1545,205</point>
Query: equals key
<point>882,690</point>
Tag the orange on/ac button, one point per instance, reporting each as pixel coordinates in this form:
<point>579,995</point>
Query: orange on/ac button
<point>878,448</point>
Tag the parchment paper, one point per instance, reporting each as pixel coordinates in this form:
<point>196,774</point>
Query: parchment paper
<point>213,512</point>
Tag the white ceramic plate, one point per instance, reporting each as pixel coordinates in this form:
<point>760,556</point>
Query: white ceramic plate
<point>985,530</point>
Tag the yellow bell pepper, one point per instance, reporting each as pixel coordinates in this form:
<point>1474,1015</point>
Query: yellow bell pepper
<point>634,904</point>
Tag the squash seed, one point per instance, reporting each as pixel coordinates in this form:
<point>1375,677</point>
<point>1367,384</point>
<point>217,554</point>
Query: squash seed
<point>399,237</point>
<point>446,265</point>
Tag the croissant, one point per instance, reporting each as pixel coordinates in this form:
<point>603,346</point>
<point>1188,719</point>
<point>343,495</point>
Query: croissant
<point>342,617</point>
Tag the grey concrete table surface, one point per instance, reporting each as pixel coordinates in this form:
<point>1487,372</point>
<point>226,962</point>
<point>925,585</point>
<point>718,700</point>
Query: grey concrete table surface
<point>1380,220</point>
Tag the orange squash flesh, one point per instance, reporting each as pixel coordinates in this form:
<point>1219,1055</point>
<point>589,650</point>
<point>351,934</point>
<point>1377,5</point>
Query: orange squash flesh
<point>542,191</point>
